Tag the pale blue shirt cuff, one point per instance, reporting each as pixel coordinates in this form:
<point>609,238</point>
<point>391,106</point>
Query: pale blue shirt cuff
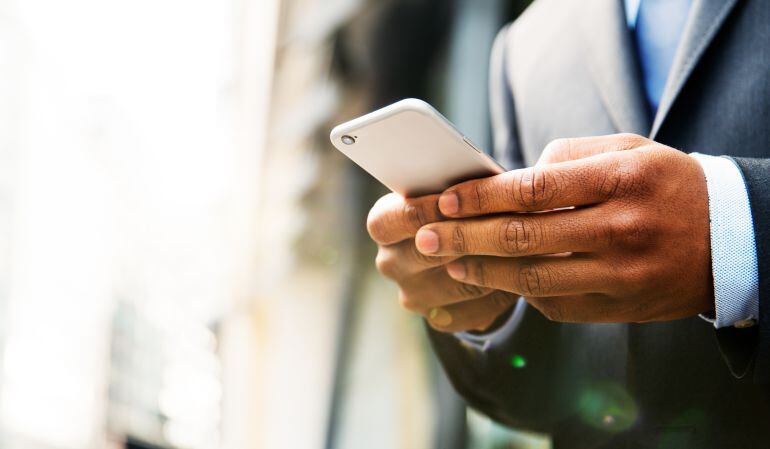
<point>482,341</point>
<point>733,245</point>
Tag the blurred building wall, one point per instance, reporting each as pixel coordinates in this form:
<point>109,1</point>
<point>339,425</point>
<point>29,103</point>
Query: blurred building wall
<point>243,343</point>
<point>311,229</point>
<point>130,133</point>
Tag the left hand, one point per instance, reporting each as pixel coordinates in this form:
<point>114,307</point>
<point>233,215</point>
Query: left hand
<point>633,247</point>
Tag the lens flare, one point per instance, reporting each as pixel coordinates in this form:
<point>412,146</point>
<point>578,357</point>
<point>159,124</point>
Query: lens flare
<point>517,361</point>
<point>607,406</point>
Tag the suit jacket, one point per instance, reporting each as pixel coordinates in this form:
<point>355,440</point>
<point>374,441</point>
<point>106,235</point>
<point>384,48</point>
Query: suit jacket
<point>568,68</point>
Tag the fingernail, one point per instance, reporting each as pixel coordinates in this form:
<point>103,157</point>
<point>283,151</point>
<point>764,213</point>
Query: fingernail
<point>456,270</point>
<point>426,241</point>
<point>440,317</point>
<point>449,204</point>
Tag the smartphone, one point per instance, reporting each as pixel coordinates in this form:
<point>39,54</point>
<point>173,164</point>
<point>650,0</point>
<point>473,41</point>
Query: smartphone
<point>412,149</point>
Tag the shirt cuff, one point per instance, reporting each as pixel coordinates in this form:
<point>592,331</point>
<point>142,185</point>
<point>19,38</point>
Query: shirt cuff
<point>733,244</point>
<point>483,341</point>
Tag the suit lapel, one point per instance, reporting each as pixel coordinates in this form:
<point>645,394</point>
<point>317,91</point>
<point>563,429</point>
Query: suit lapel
<point>611,59</point>
<point>705,20</point>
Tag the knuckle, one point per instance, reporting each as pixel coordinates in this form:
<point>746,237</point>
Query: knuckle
<point>375,226</point>
<point>469,291</point>
<point>409,302</point>
<point>481,196</point>
<point>387,223</point>
<point>636,280</point>
<point>629,140</point>
<point>475,270</point>
<point>536,188</point>
<point>386,264</point>
<point>478,271</point>
<point>421,259</point>
<point>602,232</point>
<point>623,178</point>
<point>519,236</point>
<point>534,280</point>
<point>414,214</point>
<point>458,240</point>
<point>377,221</point>
<point>609,182</point>
<point>632,169</point>
<point>557,149</point>
<point>631,230</point>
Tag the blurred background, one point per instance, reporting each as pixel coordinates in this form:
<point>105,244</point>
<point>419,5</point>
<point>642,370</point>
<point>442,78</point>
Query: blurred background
<point>183,258</point>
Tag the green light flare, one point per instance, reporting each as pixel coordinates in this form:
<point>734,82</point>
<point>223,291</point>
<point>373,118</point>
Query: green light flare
<point>518,361</point>
<point>607,406</point>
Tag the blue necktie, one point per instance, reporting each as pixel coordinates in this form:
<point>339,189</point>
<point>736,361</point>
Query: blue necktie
<point>659,26</point>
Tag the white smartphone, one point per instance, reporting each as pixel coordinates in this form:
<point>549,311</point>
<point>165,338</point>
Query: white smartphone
<point>412,149</point>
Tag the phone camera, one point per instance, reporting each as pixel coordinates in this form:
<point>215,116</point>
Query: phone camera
<point>348,140</point>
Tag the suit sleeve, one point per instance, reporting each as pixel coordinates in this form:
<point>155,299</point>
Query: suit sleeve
<point>753,349</point>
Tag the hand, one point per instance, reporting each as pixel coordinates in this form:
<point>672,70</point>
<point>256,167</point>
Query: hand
<point>634,247</point>
<point>424,285</point>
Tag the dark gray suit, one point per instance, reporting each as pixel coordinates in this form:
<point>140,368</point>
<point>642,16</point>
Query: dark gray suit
<point>568,68</point>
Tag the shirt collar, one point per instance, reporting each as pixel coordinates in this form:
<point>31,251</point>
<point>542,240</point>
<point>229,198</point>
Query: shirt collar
<point>632,12</point>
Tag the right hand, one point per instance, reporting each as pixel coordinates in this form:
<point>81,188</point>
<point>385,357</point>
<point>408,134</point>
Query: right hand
<point>424,285</point>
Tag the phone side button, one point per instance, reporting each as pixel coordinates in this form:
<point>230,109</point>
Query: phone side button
<point>468,141</point>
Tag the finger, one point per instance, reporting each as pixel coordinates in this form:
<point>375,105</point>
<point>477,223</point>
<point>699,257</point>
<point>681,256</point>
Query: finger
<point>477,314</point>
<point>591,308</point>
<point>402,259</point>
<point>582,182</point>
<point>515,235</point>
<point>561,150</point>
<point>535,277</point>
<point>394,218</point>
<point>436,288</point>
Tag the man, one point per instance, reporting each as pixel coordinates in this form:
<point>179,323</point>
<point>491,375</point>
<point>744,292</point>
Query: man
<point>645,270</point>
